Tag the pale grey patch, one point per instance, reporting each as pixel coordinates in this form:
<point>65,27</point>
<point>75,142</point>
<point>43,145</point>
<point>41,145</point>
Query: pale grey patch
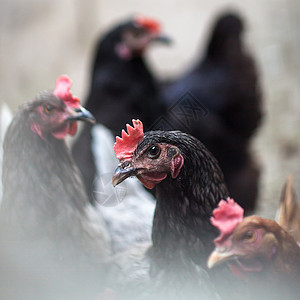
<point>127,209</point>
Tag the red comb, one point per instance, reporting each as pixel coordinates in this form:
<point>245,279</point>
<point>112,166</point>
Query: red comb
<point>226,216</point>
<point>149,23</point>
<point>125,146</point>
<point>62,90</point>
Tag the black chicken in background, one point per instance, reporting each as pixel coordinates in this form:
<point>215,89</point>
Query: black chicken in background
<point>224,85</point>
<point>54,245</point>
<point>122,86</point>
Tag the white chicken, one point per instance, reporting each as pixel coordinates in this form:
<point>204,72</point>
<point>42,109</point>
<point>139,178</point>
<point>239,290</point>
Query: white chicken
<point>127,209</point>
<point>5,119</point>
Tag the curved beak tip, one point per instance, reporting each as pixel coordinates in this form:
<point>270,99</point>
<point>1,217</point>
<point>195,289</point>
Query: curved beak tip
<point>82,114</point>
<point>121,174</point>
<point>87,116</point>
<point>92,121</point>
<point>115,181</point>
<point>210,262</point>
<point>163,39</point>
<point>216,258</point>
<point>117,177</point>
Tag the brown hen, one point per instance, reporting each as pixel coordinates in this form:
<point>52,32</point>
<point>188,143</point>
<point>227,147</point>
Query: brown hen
<point>258,251</point>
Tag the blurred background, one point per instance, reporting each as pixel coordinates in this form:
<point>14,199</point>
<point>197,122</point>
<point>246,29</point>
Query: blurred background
<point>40,40</point>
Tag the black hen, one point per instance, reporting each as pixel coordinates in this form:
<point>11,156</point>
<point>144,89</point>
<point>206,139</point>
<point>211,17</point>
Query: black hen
<point>189,184</point>
<point>122,87</point>
<point>224,87</point>
<point>52,242</point>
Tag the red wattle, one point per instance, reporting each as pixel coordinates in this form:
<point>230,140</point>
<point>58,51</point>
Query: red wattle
<point>73,128</point>
<point>151,179</point>
<point>61,133</point>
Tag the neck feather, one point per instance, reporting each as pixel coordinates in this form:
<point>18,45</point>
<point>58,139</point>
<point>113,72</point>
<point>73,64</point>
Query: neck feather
<point>185,204</point>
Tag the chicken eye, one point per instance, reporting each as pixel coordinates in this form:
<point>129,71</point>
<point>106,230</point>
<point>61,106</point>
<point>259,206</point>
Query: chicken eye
<point>250,236</point>
<point>48,109</point>
<point>153,152</point>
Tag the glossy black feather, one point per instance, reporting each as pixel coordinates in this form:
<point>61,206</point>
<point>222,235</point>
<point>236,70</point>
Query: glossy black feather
<point>185,204</point>
<point>226,83</point>
<point>120,90</point>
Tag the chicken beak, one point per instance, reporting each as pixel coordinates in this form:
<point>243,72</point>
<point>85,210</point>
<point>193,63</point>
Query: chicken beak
<point>218,257</point>
<point>122,173</point>
<point>80,113</point>
<point>162,38</point>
